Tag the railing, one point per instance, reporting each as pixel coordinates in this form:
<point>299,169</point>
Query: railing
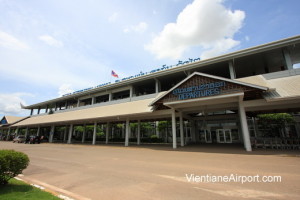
<point>276,143</point>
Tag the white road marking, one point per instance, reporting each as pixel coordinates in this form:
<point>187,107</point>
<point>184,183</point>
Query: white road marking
<point>38,186</point>
<point>64,197</point>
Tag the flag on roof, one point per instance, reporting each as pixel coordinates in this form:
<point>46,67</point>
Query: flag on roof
<point>114,74</point>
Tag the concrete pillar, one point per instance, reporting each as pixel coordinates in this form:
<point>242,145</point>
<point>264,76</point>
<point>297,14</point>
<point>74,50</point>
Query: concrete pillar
<point>47,109</point>
<point>174,129</point>
<point>65,134</point>
<point>288,60</point>
<point>31,112</point>
<point>131,92</point>
<point>156,128</point>
<point>94,133</point>
<point>127,133</point>
<point>157,86</point>
<point>17,131</point>
<point>231,70</point>
<point>139,133</point>
<point>38,131</point>
<point>181,129</point>
<point>83,134</point>
<point>78,103</point>
<point>70,134</point>
<point>51,133</point>
<point>244,126</point>
<point>110,96</point>
<point>107,133</point>
<point>93,100</point>
<point>39,110</point>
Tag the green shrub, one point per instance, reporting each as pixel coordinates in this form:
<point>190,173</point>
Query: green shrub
<point>153,136</point>
<point>12,163</point>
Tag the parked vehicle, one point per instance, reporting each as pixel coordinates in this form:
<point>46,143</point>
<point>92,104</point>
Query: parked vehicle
<point>34,139</point>
<point>19,139</point>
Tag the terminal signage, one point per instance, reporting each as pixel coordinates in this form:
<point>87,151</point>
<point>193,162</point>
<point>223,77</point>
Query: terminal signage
<point>197,91</point>
<point>164,67</point>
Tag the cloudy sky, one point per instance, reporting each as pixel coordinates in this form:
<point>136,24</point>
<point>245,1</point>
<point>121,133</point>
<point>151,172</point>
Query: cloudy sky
<point>51,47</point>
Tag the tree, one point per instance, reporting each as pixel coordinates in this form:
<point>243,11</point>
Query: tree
<point>280,120</point>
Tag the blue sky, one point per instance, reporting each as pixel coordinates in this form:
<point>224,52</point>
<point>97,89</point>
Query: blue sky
<point>51,47</point>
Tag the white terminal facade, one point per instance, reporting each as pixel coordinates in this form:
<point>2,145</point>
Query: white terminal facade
<point>200,101</point>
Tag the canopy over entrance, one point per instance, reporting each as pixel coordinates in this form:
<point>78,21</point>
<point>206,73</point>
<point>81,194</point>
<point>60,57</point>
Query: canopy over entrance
<point>200,90</point>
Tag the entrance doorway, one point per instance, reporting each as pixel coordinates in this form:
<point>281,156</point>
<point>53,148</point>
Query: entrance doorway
<point>224,136</point>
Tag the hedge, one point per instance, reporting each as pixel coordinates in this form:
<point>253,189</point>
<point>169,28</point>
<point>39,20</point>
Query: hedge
<point>12,163</point>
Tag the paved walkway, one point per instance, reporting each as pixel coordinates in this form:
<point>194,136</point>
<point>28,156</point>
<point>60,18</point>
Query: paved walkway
<point>158,172</point>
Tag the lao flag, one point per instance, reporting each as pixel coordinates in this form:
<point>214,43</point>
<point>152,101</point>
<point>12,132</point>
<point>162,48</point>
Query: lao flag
<point>114,74</point>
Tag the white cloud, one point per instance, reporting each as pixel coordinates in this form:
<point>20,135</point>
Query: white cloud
<point>9,41</point>
<point>51,41</point>
<point>65,89</point>
<point>10,103</point>
<point>139,28</point>
<point>204,23</point>
<point>113,17</point>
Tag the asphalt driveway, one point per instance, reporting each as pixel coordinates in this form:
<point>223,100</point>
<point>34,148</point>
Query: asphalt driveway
<point>158,172</point>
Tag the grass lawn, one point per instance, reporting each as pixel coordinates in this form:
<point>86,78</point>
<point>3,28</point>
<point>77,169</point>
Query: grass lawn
<point>17,190</point>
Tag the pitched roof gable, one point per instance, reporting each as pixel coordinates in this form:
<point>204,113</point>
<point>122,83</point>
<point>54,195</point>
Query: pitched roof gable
<point>198,85</point>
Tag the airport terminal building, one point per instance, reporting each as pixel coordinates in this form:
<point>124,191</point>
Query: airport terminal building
<point>195,101</point>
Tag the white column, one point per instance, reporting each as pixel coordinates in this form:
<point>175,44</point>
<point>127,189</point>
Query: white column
<point>181,129</point>
<point>139,133</point>
<point>174,129</point>
<point>157,86</point>
<point>131,92</point>
<point>231,70</point>
<point>93,100</point>
<point>288,60</point>
<point>127,133</point>
<point>94,134</point>
<point>51,134</point>
<point>38,131</point>
<point>70,134</point>
<point>156,128</point>
<point>17,131</point>
<point>83,134</point>
<point>78,103</point>
<point>110,96</point>
<point>244,126</point>
<point>107,133</point>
